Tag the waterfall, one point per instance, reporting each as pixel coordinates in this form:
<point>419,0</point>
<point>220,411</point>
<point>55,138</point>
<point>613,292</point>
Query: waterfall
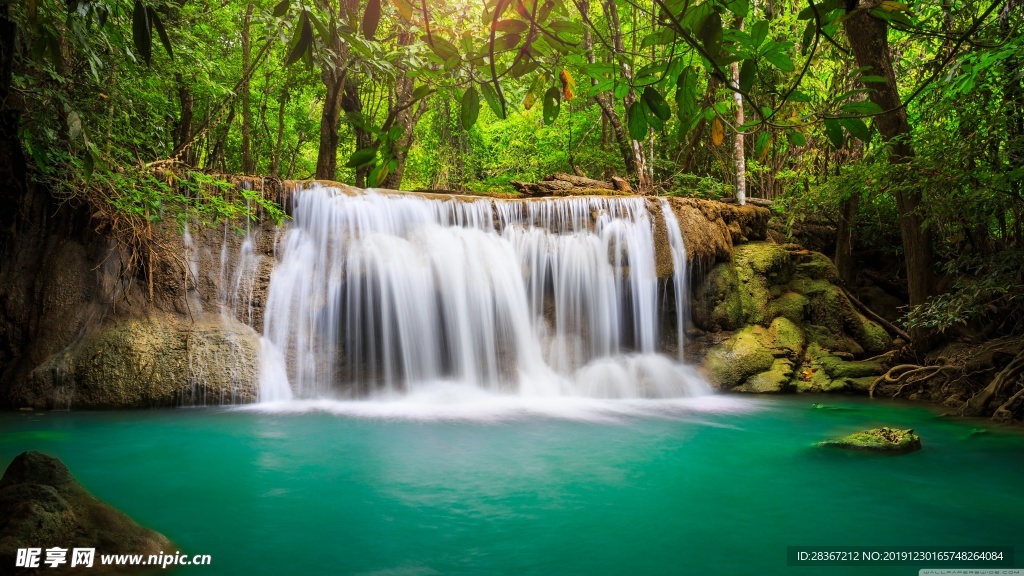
<point>680,281</point>
<point>386,294</point>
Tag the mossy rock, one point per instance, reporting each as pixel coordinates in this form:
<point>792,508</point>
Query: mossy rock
<point>738,293</point>
<point>774,380</point>
<point>745,354</point>
<point>817,266</point>
<point>42,505</point>
<point>882,440</point>
<point>787,335</point>
<point>790,305</point>
<point>145,362</point>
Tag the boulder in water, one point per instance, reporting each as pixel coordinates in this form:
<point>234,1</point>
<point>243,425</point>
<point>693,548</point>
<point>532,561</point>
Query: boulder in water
<point>883,440</point>
<point>43,506</point>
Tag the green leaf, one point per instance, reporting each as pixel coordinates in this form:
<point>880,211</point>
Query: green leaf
<point>361,158</point>
<point>834,131</point>
<point>88,165</point>
<point>637,121</point>
<point>863,107</point>
<point>444,49</point>
<point>155,21</point>
<point>552,104</point>
<point>405,9</point>
<point>141,34</point>
<point>371,19</point>
<point>797,139</point>
<point>711,34</point>
<point>856,128</point>
<point>512,26</point>
<point>656,104</point>
<point>780,61</point>
<point>506,42</point>
<point>748,72</point>
<point>303,40</point>
<point>870,78</point>
<point>798,96</point>
<point>686,92</point>
<point>420,91</point>
<point>758,32</point>
<point>470,108</point>
<point>492,100</point>
<point>281,8</point>
<point>761,146</point>
<point>808,39</point>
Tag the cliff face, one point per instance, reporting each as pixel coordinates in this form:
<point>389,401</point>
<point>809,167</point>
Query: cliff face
<point>77,330</point>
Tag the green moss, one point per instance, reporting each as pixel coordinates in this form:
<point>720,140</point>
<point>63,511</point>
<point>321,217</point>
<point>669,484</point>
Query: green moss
<point>790,305</point>
<point>775,379</point>
<point>884,440</point>
<point>835,341</point>
<point>743,355</point>
<point>872,336</point>
<point>785,334</point>
<point>817,266</point>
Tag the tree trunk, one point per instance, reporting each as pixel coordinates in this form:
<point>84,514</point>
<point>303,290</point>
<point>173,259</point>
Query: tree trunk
<point>844,238</point>
<point>868,38</point>
<point>275,161</point>
<point>352,104</point>
<point>739,160</point>
<point>406,119</point>
<point>631,150</point>
<point>335,79</point>
<point>247,164</point>
<point>183,131</point>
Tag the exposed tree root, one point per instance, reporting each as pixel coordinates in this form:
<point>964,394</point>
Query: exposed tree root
<point>907,374</point>
<point>979,403</point>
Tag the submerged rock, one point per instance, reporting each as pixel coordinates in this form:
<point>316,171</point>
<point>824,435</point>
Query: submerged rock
<point>43,506</point>
<point>884,440</point>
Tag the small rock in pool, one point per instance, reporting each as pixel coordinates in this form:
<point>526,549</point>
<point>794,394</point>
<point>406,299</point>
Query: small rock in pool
<point>885,440</point>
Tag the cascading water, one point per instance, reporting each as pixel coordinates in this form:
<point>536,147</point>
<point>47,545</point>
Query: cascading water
<point>382,295</point>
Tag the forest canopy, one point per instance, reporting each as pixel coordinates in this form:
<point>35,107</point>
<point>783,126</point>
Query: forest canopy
<point>898,124</point>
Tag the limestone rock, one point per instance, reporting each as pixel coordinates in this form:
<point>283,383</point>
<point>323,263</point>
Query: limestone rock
<point>43,506</point>
<point>155,361</point>
<point>883,440</point>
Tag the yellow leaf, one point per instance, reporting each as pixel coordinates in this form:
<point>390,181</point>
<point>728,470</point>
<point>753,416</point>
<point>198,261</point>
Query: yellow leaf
<point>717,132</point>
<point>568,83</point>
<point>529,101</point>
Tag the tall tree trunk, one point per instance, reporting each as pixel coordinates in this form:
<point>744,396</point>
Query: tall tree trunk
<point>868,38</point>
<point>637,162</point>
<point>406,118</point>
<point>335,79</point>
<point>631,150</point>
<point>183,131</point>
<point>247,164</point>
<point>739,159</point>
<point>352,104</point>
<point>275,160</point>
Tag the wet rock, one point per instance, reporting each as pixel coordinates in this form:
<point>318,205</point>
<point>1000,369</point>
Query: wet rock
<point>154,361</point>
<point>883,440</point>
<point>43,506</point>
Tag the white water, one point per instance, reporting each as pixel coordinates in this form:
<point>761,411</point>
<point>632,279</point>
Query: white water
<point>388,296</point>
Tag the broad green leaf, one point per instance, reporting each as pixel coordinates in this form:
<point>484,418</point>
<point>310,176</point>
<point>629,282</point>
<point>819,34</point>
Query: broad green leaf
<point>470,108</point>
<point>371,19</point>
<point>512,26</point>
<point>281,8</point>
<point>552,104</point>
<point>686,92</point>
<point>565,27</point>
<point>506,42</point>
<point>156,23</point>
<point>761,146</point>
<point>420,92</point>
<point>88,164</point>
<point>780,61</point>
<point>141,32</point>
<point>303,40</point>
<point>492,100</point>
<point>711,34</point>
<point>656,104</point>
<point>444,49</point>
<point>405,9</point>
<point>748,72</point>
<point>797,139</point>
<point>637,121</point>
<point>758,32</point>
<point>808,39</point>
<point>863,107</point>
<point>798,96</point>
<point>871,78</point>
<point>361,158</point>
<point>856,128</point>
<point>834,131</point>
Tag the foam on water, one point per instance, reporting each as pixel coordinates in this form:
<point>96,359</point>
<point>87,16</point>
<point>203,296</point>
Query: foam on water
<point>460,305</point>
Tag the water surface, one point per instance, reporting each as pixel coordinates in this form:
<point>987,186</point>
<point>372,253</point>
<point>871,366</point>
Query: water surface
<point>708,486</point>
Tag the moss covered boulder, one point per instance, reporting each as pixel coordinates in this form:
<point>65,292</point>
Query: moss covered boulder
<point>756,359</point>
<point>155,361</point>
<point>883,440</point>
<point>43,506</point>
